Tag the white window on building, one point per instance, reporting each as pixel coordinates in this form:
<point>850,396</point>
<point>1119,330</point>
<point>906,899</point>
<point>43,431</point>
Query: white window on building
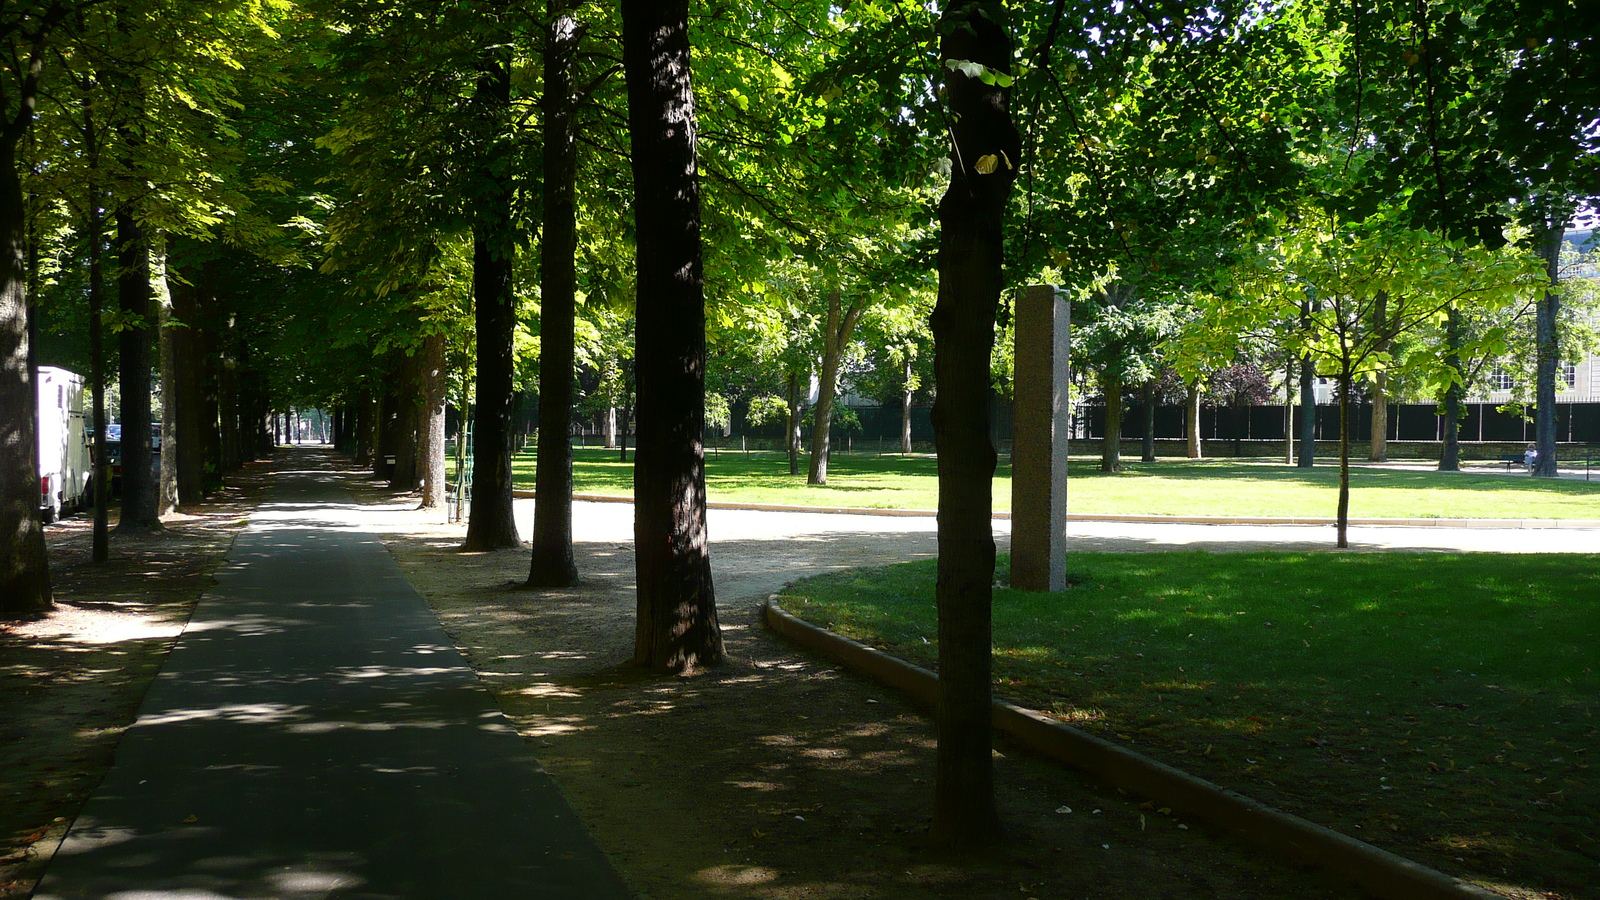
<point>1569,375</point>
<point>1500,380</point>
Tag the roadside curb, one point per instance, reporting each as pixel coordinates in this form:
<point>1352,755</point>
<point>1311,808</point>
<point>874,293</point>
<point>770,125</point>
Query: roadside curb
<point>1383,873</point>
<point>1131,519</point>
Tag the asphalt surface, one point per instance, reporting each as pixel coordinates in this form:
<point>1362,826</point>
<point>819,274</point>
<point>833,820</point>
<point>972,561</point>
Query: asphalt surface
<point>315,734</point>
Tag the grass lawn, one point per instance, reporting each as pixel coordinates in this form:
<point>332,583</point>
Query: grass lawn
<point>1169,487</point>
<point>1441,706</point>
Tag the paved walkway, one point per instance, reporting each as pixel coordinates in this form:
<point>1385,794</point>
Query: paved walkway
<point>315,734</point>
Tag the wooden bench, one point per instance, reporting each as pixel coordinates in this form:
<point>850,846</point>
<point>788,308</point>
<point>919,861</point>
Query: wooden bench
<point>1512,460</point>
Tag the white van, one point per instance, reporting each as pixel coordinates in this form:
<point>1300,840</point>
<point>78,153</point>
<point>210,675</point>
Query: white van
<point>64,466</point>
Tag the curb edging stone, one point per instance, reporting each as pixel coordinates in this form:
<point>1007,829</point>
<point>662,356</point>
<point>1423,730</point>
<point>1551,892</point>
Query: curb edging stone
<point>1385,874</point>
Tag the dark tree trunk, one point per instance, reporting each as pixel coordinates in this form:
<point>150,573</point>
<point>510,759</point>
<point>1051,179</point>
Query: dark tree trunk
<point>677,614</point>
<point>791,427</point>
<point>140,490</point>
<point>1191,423</point>
<point>1147,446</point>
<point>1308,414</point>
<point>1547,359</point>
<point>230,452</point>
<point>841,323</point>
<point>24,567</point>
<point>408,404</point>
<point>435,385</point>
<point>492,525</point>
<point>1380,419</point>
<point>552,564</point>
<point>167,341</point>
<point>1450,454</point>
<point>364,422</point>
<point>100,542</point>
<point>971,243</point>
<point>905,411</point>
<point>1111,446</point>
<point>1288,414</point>
<point>1379,438</point>
<point>190,445</point>
<point>1343,519</point>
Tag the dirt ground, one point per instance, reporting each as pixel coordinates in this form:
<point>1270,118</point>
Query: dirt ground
<point>71,682</point>
<point>777,776</point>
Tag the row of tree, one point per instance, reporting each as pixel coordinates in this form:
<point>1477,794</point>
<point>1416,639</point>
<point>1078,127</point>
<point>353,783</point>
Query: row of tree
<point>388,206</point>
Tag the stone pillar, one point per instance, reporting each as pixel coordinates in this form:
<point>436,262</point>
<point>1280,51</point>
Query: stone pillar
<point>1039,441</point>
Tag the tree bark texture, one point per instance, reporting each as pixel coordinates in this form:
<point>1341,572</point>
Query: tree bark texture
<point>1308,414</point>
<point>841,323</point>
<point>1288,414</point>
<point>1380,419</point>
<point>971,244</point>
<point>1379,438</point>
<point>435,385</point>
<point>1196,448</point>
<point>1547,358</point>
<point>24,567</point>
<point>167,478</point>
<point>408,406</point>
<point>491,526</point>
<point>905,410</point>
<point>140,488</point>
<point>1111,446</point>
<point>100,540</point>
<point>677,626</point>
<point>552,562</point>
<point>1147,444</point>
<point>791,425</point>
<point>189,446</point>
<point>1342,521</point>
<point>1450,453</point>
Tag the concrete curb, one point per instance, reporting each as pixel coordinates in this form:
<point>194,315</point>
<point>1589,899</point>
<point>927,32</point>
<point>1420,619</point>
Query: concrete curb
<point>1383,873</point>
<point>1135,519</point>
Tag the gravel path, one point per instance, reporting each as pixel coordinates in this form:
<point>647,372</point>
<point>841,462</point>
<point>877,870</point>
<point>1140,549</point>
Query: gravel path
<point>756,552</point>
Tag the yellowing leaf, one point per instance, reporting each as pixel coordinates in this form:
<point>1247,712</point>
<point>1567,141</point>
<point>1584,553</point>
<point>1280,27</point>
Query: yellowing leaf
<point>986,164</point>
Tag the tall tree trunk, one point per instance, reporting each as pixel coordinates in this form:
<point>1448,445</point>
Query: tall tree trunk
<point>677,626</point>
<point>24,567</point>
<point>1111,446</point>
<point>1379,451</point>
<point>167,481</point>
<point>841,324</point>
<point>1547,358</point>
<point>100,541</point>
<point>971,250</point>
<point>1343,519</point>
<point>552,562</point>
<point>140,490</point>
<point>791,425</point>
<point>1450,453</point>
<point>435,385</point>
<point>230,453</point>
<point>905,410</point>
<point>492,525</point>
<point>1288,414</point>
<point>1380,418</point>
<point>188,448</point>
<point>1308,413</point>
<point>1147,445</point>
<point>407,410</point>
<point>1191,422</point>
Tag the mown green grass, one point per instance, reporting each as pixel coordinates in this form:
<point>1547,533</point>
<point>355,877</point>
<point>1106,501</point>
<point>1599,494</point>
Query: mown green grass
<point>1442,706</point>
<point>1169,487</point>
